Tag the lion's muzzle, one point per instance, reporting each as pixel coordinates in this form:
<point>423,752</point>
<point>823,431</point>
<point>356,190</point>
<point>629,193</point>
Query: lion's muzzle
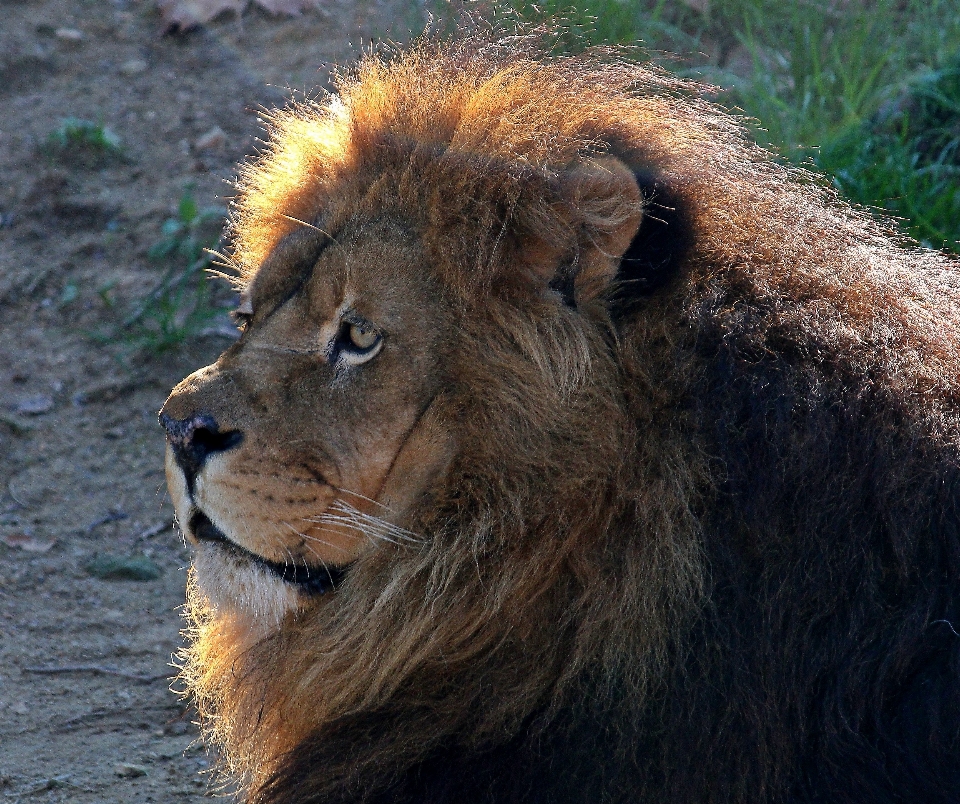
<point>195,438</point>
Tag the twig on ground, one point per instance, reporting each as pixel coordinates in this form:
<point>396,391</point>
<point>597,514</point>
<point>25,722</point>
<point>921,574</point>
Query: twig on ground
<point>106,713</point>
<point>113,516</point>
<point>155,530</point>
<point>95,668</point>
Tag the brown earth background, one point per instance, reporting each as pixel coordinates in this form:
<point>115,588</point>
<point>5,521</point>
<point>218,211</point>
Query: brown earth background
<point>86,711</point>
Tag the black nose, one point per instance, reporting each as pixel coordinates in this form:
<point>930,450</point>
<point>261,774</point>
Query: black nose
<point>196,437</point>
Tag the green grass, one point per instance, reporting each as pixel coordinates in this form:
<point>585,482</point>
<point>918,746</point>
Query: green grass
<point>906,159</point>
<point>867,91</point>
<point>83,143</point>
<point>182,305</point>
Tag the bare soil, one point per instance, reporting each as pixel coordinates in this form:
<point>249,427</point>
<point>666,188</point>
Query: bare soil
<point>86,709</point>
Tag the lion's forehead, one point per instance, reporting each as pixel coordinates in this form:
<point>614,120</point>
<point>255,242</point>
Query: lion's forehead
<point>308,457</point>
<point>361,261</point>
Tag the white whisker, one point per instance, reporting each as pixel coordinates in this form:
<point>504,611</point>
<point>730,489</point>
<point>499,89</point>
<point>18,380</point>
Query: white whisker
<point>342,515</point>
<point>308,538</point>
<point>375,522</point>
<point>360,496</point>
<point>308,225</point>
<point>373,528</point>
<point>368,534</point>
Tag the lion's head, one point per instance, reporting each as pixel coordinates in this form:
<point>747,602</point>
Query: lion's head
<point>424,417</point>
<point>347,331</point>
<point>451,481</point>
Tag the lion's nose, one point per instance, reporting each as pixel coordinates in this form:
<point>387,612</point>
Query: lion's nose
<point>195,438</point>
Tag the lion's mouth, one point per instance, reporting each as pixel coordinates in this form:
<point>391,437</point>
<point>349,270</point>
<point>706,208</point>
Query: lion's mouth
<point>307,579</point>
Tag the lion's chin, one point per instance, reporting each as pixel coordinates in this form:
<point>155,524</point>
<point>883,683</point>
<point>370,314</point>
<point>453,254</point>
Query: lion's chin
<point>232,584</point>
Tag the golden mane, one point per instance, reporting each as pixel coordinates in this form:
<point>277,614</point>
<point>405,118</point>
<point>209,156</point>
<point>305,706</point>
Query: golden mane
<point>581,477</point>
<point>468,141</point>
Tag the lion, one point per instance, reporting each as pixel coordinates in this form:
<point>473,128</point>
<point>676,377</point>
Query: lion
<point>574,449</point>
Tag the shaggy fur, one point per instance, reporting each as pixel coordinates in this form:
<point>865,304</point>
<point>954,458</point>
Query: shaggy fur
<point>698,537</point>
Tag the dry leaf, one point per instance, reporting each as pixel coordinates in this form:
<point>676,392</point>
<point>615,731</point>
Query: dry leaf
<point>23,541</point>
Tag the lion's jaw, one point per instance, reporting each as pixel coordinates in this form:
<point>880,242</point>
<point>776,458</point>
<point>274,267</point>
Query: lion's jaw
<point>285,462</point>
<point>228,579</point>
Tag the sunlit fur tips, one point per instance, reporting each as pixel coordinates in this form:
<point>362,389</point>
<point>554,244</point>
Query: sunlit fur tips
<point>691,540</point>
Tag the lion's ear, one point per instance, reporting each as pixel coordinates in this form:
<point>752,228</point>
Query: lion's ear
<point>605,207</point>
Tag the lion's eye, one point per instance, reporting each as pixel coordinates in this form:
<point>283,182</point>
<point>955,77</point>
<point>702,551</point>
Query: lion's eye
<point>363,336</point>
<point>358,342</point>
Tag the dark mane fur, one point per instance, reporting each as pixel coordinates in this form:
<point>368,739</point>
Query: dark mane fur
<point>757,598</point>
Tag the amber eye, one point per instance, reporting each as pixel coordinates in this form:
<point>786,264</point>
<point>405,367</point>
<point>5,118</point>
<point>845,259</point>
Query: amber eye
<point>358,342</point>
<point>363,336</point>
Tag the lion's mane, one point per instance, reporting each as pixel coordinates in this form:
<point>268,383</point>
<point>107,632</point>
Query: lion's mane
<point>700,539</point>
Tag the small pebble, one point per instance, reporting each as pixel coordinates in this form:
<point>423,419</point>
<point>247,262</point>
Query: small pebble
<point>133,67</point>
<point>35,405</point>
<point>214,138</point>
<point>68,34</point>
<point>19,708</point>
<point>128,770</point>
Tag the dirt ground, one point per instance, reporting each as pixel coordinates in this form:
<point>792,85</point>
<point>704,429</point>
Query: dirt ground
<point>86,711</point>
